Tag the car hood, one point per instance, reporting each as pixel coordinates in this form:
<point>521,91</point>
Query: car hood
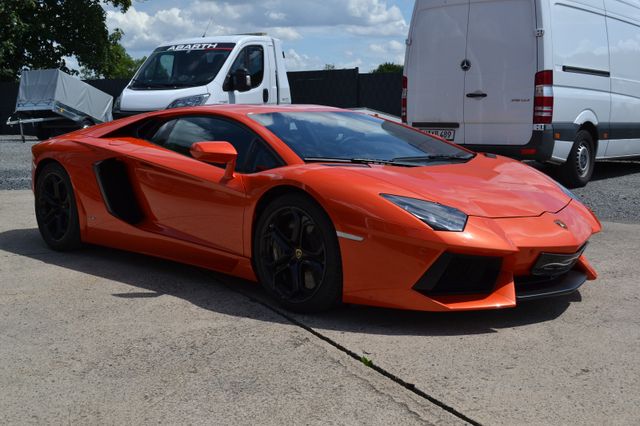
<point>486,187</point>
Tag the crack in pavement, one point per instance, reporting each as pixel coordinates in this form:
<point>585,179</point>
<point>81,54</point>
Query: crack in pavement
<point>409,386</point>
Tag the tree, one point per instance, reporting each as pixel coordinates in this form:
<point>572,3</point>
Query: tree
<point>388,67</point>
<point>118,63</point>
<point>329,67</point>
<point>40,33</point>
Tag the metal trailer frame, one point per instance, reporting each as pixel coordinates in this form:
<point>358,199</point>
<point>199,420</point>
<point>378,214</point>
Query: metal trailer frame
<point>52,95</point>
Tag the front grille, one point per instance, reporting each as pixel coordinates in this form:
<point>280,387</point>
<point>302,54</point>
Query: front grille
<point>460,274</point>
<point>555,264</point>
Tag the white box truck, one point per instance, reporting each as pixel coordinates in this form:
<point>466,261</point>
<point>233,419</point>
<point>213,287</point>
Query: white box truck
<point>556,81</point>
<point>239,69</point>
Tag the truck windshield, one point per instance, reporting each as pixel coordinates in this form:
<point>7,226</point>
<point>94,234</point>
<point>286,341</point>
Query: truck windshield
<point>182,65</point>
<point>354,137</point>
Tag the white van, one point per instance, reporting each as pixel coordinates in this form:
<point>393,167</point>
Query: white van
<point>240,69</point>
<point>556,81</point>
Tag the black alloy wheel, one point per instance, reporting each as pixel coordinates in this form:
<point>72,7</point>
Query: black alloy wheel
<point>56,211</point>
<point>296,254</point>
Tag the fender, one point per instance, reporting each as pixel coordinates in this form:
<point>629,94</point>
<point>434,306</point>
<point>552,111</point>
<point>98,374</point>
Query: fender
<point>586,116</point>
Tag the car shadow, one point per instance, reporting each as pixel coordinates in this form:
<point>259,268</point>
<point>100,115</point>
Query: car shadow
<point>208,289</point>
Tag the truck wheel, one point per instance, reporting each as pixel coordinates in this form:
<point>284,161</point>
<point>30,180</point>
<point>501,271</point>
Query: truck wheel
<point>578,169</point>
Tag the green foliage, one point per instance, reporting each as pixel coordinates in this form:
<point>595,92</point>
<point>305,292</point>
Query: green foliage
<point>40,33</point>
<point>329,67</point>
<point>366,361</point>
<point>389,67</point>
<point>118,63</point>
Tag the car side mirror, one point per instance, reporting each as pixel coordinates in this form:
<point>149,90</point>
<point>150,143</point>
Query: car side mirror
<point>219,152</point>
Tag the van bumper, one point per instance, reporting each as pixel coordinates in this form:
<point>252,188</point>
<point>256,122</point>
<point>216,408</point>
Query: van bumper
<point>539,148</point>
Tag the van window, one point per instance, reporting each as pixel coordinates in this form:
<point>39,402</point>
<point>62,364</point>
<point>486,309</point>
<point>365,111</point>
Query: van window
<point>580,39</point>
<point>251,58</point>
<point>170,67</point>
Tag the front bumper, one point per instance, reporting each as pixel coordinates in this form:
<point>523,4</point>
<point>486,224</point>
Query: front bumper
<point>383,269</point>
<point>558,286</point>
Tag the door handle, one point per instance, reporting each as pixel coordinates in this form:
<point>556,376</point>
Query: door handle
<point>476,95</point>
<point>265,95</point>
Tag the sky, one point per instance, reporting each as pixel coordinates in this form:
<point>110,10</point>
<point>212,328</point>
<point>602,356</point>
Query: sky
<point>344,33</point>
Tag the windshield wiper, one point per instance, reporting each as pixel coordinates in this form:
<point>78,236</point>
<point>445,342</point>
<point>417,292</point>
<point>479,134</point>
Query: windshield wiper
<point>436,157</point>
<point>358,161</point>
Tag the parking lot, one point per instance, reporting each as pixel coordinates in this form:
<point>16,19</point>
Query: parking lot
<point>102,336</point>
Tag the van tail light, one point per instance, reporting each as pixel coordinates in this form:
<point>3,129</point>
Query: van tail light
<point>403,110</point>
<point>543,100</point>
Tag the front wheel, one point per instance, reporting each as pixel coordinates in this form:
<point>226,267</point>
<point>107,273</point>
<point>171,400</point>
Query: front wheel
<point>297,256</point>
<point>578,169</point>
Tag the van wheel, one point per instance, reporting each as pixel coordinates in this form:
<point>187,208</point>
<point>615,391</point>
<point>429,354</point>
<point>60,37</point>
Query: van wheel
<point>578,169</point>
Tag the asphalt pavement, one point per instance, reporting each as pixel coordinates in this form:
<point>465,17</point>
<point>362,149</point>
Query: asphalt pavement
<point>103,336</point>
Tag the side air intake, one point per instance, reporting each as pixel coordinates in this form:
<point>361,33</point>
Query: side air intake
<point>117,192</point>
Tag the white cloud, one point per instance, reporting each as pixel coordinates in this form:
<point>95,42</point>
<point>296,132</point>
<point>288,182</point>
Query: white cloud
<point>296,61</point>
<point>313,28</point>
<point>285,33</point>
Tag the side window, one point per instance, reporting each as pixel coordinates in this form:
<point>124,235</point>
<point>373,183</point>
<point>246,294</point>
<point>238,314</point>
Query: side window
<point>251,58</point>
<point>261,158</point>
<point>178,135</point>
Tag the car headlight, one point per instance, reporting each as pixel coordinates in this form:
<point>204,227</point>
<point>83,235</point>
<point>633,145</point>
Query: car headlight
<point>439,217</point>
<point>189,101</point>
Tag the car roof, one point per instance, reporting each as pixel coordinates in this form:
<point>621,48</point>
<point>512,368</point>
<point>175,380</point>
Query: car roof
<point>225,109</point>
<point>264,109</point>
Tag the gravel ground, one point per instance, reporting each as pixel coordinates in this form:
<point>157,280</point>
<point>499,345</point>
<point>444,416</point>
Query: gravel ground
<point>15,162</point>
<point>614,192</point>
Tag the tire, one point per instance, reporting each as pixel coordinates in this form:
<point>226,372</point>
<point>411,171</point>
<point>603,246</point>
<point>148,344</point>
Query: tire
<point>56,210</point>
<point>578,169</point>
<point>43,133</point>
<point>296,254</point>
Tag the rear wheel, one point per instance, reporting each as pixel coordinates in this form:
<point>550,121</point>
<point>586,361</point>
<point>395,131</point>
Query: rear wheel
<point>56,211</point>
<point>297,256</point>
<point>578,169</point>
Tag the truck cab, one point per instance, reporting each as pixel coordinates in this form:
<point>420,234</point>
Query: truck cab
<point>239,69</point>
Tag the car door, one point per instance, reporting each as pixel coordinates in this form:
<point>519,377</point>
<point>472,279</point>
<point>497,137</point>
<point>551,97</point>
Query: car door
<point>253,59</point>
<point>189,199</point>
<point>434,63</point>
<point>499,79</point>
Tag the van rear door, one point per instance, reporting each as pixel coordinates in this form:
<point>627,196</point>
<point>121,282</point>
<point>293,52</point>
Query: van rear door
<point>435,83</point>
<point>499,83</point>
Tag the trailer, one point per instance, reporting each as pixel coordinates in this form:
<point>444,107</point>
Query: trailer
<point>55,102</point>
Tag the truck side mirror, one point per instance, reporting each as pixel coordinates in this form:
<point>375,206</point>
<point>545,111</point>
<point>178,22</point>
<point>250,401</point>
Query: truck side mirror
<point>239,80</point>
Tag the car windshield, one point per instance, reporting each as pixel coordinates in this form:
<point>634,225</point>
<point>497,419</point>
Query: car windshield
<point>182,65</point>
<point>355,137</point>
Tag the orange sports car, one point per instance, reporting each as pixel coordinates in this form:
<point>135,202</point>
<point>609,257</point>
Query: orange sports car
<point>320,205</point>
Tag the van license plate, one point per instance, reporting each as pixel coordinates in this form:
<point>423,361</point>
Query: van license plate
<point>447,134</point>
